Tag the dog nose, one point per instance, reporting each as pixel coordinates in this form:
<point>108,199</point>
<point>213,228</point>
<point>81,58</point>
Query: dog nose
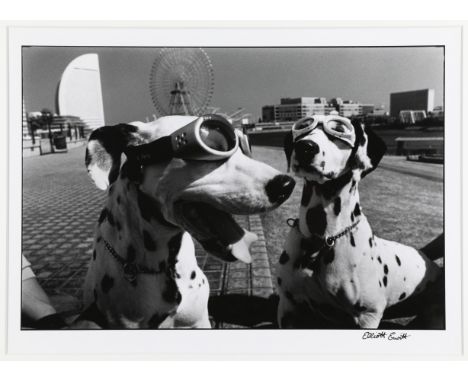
<point>279,188</point>
<point>305,151</point>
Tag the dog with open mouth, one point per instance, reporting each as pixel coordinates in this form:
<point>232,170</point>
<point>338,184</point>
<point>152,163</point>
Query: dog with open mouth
<point>334,271</point>
<point>183,177</point>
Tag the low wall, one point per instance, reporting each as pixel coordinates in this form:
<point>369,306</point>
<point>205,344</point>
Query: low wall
<point>276,138</point>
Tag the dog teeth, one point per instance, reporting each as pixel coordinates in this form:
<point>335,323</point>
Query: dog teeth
<point>241,249</point>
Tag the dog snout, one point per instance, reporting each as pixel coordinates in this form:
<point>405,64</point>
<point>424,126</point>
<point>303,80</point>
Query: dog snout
<point>305,151</point>
<point>279,188</point>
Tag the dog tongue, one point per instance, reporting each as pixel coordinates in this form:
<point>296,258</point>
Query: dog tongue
<point>241,249</point>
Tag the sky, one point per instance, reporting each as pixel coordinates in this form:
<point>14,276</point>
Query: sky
<point>244,77</point>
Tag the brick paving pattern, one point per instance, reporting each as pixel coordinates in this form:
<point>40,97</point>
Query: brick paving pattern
<point>60,209</point>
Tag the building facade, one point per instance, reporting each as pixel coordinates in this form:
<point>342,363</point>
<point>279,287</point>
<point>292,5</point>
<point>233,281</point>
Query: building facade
<point>292,109</point>
<point>411,100</point>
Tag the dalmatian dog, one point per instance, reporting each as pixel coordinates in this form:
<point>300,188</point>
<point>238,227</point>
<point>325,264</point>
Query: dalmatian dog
<point>143,272</point>
<point>334,272</point>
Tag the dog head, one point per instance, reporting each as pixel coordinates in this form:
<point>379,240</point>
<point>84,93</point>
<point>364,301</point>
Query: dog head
<point>320,156</point>
<point>198,196</point>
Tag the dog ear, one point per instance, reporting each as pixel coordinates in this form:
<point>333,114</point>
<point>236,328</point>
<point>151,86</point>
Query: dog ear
<point>370,149</point>
<point>105,147</point>
<point>288,145</point>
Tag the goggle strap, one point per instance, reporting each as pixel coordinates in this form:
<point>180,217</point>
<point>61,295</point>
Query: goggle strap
<point>156,151</point>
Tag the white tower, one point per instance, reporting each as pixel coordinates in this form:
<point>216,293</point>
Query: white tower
<point>80,92</point>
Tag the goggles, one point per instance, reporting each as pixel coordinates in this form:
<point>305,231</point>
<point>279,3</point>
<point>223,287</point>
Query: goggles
<point>208,138</point>
<point>336,126</point>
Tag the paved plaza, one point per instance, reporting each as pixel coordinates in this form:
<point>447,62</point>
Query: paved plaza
<point>60,208</point>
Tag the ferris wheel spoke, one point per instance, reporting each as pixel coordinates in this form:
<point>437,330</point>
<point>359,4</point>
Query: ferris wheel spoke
<point>193,68</point>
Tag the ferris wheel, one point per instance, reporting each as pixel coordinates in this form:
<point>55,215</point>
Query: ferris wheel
<point>182,81</point>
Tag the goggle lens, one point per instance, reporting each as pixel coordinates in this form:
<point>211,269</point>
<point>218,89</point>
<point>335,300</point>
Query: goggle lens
<point>217,137</point>
<point>304,124</point>
<point>338,126</point>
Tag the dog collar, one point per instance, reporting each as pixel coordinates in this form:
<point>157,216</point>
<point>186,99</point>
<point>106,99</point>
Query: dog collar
<point>130,269</point>
<point>329,241</point>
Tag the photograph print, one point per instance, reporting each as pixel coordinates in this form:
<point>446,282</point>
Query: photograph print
<point>271,187</point>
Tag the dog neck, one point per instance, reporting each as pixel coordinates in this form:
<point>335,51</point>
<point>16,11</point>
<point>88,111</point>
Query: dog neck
<point>133,225</point>
<point>329,208</point>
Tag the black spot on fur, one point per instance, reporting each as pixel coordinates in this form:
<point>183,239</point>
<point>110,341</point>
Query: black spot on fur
<point>171,293</point>
<point>93,314</point>
<point>193,275</point>
<point>380,284</point>
<point>174,247</point>
<point>311,245</point>
<point>351,239</point>
<point>284,258</point>
<point>398,260</point>
<point>131,253</point>
<point>87,158</point>
<point>307,192</point>
<point>110,218</point>
<point>94,255</point>
<point>290,297</point>
<point>332,187</point>
<point>98,240</point>
<point>279,281</point>
<point>352,217</point>
<point>359,307</point>
<point>370,242</point>
<point>156,320</point>
<point>316,220</point>
<point>150,208</point>
<point>286,321</point>
<point>107,283</point>
<point>150,245</point>
<point>402,296</point>
<point>357,210</point>
<point>404,278</point>
<point>353,186</point>
<point>385,281</point>
<point>131,170</point>
<point>102,216</point>
<point>118,199</point>
<point>385,269</point>
<point>145,205</point>
<point>203,281</point>
<point>379,259</point>
<point>337,206</point>
<point>328,256</point>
